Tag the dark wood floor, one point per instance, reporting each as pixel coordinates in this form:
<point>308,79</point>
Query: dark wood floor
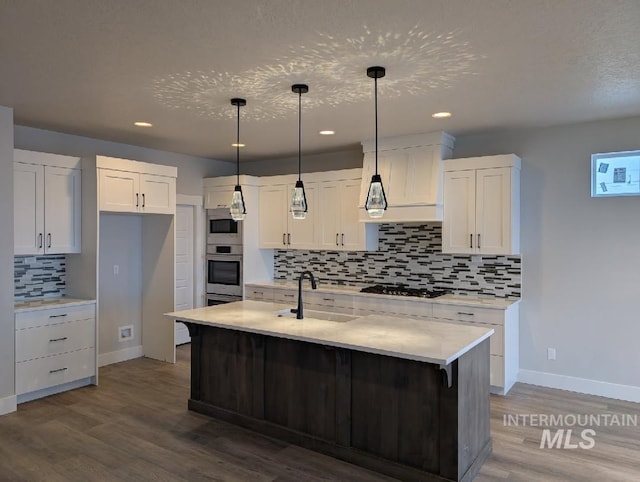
<point>135,426</point>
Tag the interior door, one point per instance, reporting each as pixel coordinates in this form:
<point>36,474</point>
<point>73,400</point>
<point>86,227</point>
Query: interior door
<point>185,289</point>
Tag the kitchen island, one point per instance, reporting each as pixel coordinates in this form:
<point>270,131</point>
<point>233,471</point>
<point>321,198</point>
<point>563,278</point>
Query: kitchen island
<point>404,397</point>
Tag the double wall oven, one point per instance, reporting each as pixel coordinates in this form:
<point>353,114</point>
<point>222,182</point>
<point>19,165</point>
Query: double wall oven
<point>224,258</point>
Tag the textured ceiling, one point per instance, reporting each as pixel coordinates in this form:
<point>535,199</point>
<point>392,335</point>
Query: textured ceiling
<point>93,67</point>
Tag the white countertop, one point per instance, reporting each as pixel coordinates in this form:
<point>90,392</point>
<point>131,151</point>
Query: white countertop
<point>413,339</point>
<point>459,300</point>
<point>46,303</point>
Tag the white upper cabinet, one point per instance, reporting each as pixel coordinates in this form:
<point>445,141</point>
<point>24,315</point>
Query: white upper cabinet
<point>482,205</point>
<point>136,187</point>
<point>332,221</point>
<point>339,225</point>
<point>278,229</point>
<point>47,203</point>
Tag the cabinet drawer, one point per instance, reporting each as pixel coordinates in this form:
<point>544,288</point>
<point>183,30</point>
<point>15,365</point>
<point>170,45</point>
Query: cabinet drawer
<point>466,313</point>
<point>258,294</point>
<point>365,305</point>
<point>328,300</point>
<point>496,370</point>
<point>285,296</point>
<point>32,319</point>
<point>43,341</point>
<point>47,372</point>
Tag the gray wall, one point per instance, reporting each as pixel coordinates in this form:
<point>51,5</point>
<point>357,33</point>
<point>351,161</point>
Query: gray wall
<point>580,256</point>
<point>345,159</point>
<point>191,170</point>
<point>120,244</point>
<point>7,335</point>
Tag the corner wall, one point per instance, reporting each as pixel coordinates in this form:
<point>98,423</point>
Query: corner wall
<point>7,327</point>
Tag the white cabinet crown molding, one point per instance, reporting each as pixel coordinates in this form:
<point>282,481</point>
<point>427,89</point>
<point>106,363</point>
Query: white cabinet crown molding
<point>117,164</point>
<point>483,162</point>
<point>46,159</point>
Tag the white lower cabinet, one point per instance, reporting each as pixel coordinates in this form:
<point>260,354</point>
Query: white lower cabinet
<point>55,350</point>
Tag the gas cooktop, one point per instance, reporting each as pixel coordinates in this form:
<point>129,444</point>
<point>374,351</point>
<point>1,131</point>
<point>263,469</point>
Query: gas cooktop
<point>404,290</point>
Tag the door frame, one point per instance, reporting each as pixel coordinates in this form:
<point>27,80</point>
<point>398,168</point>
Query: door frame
<point>197,203</point>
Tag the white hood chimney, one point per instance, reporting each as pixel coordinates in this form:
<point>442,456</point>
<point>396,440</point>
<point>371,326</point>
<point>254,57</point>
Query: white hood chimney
<point>411,171</point>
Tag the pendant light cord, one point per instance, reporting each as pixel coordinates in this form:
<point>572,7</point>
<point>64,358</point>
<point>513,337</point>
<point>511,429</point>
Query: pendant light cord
<point>238,148</point>
<point>299,133</point>
<point>375,83</point>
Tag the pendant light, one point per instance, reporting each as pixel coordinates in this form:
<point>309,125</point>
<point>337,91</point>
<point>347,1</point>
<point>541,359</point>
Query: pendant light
<point>376,199</point>
<point>299,198</point>
<point>237,209</point>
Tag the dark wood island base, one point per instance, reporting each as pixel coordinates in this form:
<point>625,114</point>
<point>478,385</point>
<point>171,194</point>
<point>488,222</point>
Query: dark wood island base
<point>408,419</point>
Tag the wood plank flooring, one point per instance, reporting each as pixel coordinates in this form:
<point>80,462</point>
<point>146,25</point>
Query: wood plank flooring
<point>135,426</point>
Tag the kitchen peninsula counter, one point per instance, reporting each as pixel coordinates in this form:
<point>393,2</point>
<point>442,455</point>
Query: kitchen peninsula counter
<point>490,302</point>
<point>405,397</point>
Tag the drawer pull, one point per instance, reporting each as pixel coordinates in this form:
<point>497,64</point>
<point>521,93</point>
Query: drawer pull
<point>58,370</point>
<point>258,293</point>
<point>328,299</point>
<point>288,295</point>
<point>58,316</point>
<point>465,313</point>
<point>58,339</point>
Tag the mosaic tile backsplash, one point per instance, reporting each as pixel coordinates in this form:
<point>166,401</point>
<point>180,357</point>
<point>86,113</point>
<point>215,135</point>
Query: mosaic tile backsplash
<point>39,276</point>
<point>410,254</point>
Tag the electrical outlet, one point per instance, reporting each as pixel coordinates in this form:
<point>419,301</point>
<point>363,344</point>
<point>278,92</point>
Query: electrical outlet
<point>116,269</point>
<point>125,333</point>
<point>551,353</point>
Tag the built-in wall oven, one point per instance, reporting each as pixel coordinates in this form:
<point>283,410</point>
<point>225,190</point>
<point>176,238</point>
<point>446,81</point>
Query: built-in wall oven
<point>224,258</point>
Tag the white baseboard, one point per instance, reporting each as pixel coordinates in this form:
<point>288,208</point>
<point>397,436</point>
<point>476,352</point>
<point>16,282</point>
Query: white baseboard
<point>120,355</point>
<point>581,385</point>
<point>8,404</point>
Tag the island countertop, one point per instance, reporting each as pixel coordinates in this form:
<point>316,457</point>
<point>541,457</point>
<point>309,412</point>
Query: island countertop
<point>413,339</point>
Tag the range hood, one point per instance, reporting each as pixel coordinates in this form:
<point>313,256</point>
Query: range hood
<point>411,171</point>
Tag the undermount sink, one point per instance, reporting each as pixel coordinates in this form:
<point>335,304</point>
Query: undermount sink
<point>318,315</point>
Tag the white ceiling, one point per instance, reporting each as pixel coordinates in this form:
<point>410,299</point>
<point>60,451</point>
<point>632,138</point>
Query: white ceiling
<point>93,67</point>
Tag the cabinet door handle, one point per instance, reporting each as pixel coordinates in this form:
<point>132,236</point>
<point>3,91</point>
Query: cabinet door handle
<point>336,239</point>
<point>342,239</point>
<point>471,240</point>
<point>478,240</point>
<point>143,201</point>
<point>465,313</point>
<point>58,370</point>
<point>58,316</point>
<point>289,238</point>
<point>284,239</point>
<point>48,240</point>
<point>40,241</point>
<point>58,339</point>
<point>137,200</point>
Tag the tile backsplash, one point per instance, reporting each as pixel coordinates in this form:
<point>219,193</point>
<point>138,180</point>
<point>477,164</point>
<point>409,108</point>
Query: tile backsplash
<point>407,253</point>
<point>39,276</point>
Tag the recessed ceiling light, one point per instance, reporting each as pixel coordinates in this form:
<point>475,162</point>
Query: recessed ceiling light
<point>441,115</point>
<point>327,133</point>
<point>237,145</point>
<point>142,124</point>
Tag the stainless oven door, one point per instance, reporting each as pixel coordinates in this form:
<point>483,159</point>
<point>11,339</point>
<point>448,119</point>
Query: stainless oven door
<point>224,274</point>
<point>213,299</point>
